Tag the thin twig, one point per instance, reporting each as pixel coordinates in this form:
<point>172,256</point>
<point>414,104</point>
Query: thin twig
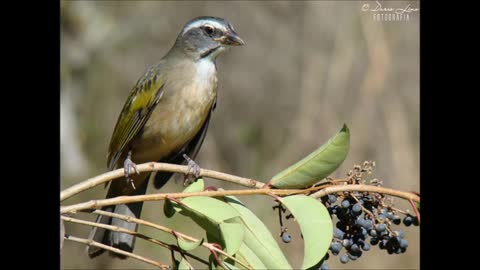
<point>366,188</point>
<point>209,246</point>
<point>164,196</point>
<point>156,166</point>
<point>116,250</point>
<point>137,234</point>
<point>279,192</point>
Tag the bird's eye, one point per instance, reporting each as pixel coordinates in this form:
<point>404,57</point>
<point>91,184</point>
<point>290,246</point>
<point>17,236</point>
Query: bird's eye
<point>208,29</point>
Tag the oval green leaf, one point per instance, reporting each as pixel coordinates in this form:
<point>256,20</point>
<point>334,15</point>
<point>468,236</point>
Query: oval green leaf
<point>230,266</point>
<point>232,236</point>
<point>196,186</point>
<point>315,224</point>
<point>216,218</point>
<point>258,238</point>
<point>250,258</point>
<point>170,208</point>
<point>317,165</point>
<point>188,245</point>
<point>184,265</point>
<point>207,210</point>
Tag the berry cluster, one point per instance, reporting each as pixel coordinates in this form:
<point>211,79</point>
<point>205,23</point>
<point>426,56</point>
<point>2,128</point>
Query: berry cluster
<point>364,221</point>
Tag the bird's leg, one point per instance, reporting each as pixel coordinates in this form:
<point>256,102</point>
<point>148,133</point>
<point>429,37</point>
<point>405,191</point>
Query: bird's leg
<point>129,167</point>
<point>193,170</point>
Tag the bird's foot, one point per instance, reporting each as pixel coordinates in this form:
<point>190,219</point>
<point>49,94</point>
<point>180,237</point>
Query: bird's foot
<point>129,168</point>
<point>193,171</point>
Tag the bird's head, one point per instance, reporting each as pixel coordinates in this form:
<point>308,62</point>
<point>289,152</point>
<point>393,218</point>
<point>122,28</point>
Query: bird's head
<point>207,37</point>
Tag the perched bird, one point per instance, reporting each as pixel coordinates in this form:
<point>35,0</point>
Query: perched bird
<point>164,119</point>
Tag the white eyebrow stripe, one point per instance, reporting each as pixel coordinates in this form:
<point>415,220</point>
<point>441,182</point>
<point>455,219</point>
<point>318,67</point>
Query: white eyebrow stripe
<point>199,23</point>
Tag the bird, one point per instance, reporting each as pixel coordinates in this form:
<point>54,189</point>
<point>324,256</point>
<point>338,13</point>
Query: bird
<point>165,119</point>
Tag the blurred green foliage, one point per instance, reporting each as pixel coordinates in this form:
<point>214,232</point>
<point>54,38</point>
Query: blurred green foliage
<point>307,68</point>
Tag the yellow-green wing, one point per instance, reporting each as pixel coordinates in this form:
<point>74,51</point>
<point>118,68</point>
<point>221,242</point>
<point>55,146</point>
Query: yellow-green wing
<point>144,96</point>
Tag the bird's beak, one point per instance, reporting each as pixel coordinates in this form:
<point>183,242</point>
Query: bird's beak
<point>232,38</point>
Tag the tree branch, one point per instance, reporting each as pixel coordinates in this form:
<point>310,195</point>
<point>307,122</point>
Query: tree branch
<point>156,166</point>
<point>279,192</point>
<point>207,245</point>
<point>116,250</point>
<point>368,188</point>
<point>137,234</point>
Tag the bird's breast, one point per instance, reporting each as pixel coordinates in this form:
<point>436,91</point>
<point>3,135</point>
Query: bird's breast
<point>179,115</point>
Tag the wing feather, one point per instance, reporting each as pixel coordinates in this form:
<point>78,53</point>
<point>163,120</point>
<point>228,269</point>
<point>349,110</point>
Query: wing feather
<point>145,95</point>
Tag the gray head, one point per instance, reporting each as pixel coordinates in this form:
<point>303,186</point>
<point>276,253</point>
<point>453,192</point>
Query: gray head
<point>207,37</point>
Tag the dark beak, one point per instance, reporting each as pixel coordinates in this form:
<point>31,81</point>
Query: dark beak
<point>232,38</point>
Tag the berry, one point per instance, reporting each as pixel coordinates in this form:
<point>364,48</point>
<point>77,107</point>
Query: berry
<point>403,243</point>
<point>367,225</point>
<point>380,227</point>
<point>324,266</point>
<point>341,226</point>
<point>337,233</point>
<point>396,220</point>
<point>332,198</point>
<point>345,204</point>
<point>383,244</point>
<point>344,258</point>
<point>372,233</point>
<point>357,209</point>
<point>354,248</point>
<point>407,221</point>
<point>360,221</point>
<point>400,234</point>
<point>347,243</point>
<point>352,257</point>
<point>335,247</point>
<point>286,238</point>
<point>366,247</point>
<point>333,210</point>
<point>415,221</point>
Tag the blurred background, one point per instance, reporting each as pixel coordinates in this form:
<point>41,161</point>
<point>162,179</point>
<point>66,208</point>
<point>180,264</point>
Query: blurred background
<point>307,68</point>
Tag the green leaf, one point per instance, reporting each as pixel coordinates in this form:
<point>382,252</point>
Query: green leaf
<point>232,236</point>
<point>317,165</point>
<point>188,245</point>
<point>170,208</point>
<point>250,258</point>
<point>230,266</point>
<point>196,186</point>
<point>258,239</point>
<point>206,210</point>
<point>217,218</point>
<point>212,264</point>
<point>315,224</point>
<point>184,265</point>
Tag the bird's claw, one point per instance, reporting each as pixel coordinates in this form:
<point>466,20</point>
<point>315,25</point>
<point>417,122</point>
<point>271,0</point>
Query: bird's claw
<point>192,172</point>
<point>129,168</point>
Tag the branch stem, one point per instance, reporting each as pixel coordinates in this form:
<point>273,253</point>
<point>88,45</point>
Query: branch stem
<point>279,192</point>
<point>116,250</point>
<point>209,246</point>
<point>156,166</point>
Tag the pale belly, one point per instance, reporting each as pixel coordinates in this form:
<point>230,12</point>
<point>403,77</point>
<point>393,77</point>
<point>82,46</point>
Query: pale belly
<point>174,122</point>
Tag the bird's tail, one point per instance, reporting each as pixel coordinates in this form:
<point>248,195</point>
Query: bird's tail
<point>119,240</point>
